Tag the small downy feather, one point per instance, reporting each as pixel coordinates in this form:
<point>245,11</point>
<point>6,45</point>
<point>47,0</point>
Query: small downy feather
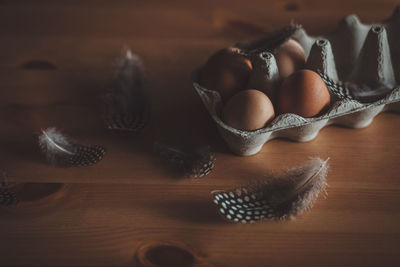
<point>62,151</point>
<point>128,107</point>
<point>277,198</point>
<point>7,195</point>
<point>191,160</point>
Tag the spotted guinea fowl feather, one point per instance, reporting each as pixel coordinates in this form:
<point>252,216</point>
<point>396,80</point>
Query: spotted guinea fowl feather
<point>364,93</point>
<point>7,195</point>
<point>128,106</point>
<point>60,150</point>
<point>338,89</point>
<point>277,198</point>
<point>191,160</point>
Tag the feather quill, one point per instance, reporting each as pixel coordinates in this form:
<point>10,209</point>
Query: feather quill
<point>62,151</point>
<point>128,105</point>
<point>191,160</point>
<point>280,197</point>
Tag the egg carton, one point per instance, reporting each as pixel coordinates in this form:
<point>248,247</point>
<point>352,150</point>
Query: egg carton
<point>359,63</point>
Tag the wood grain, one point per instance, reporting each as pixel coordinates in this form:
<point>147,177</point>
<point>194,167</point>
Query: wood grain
<point>104,213</point>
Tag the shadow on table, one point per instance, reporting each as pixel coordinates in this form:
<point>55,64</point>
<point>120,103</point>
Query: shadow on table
<point>190,210</point>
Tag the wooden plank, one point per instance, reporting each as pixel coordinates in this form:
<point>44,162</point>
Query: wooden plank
<point>96,224</point>
<point>103,214</point>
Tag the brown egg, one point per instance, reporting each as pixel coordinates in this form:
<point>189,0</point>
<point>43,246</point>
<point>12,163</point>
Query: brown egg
<point>226,72</point>
<point>290,57</point>
<point>248,110</point>
<point>303,93</point>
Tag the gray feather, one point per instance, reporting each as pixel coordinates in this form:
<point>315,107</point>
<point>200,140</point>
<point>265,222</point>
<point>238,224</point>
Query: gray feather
<point>128,106</point>
<point>279,197</point>
<point>191,160</point>
<point>364,93</point>
<point>62,151</point>
<point>7,195</point>
<point>55,145</point>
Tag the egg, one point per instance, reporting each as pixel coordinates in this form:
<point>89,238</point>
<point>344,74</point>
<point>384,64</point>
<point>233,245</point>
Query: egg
<point>303,93</point>
<point>227,72</point>
<point>248,110</point>
<point>290,56</point>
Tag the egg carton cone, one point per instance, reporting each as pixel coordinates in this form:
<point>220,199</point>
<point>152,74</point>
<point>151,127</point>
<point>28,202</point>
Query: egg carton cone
<point>359,63</point>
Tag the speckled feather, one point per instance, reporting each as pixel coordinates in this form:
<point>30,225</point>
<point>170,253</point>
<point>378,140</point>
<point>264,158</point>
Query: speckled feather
<point>337,89</point>
<point>60,150</point>
<point>277,198</point>
<point>360,92</point>
<point>128,106</point>
<point>192,161</point>
<point>7,196</point>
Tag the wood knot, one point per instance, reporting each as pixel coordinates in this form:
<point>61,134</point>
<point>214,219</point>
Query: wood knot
<point>168,254</point>
<point>35,194</point>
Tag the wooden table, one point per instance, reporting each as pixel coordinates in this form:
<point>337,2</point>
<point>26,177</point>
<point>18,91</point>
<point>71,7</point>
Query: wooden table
<point>104,214</point>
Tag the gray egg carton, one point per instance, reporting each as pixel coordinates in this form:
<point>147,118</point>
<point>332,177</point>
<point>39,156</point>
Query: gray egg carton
<point>359,63</point>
